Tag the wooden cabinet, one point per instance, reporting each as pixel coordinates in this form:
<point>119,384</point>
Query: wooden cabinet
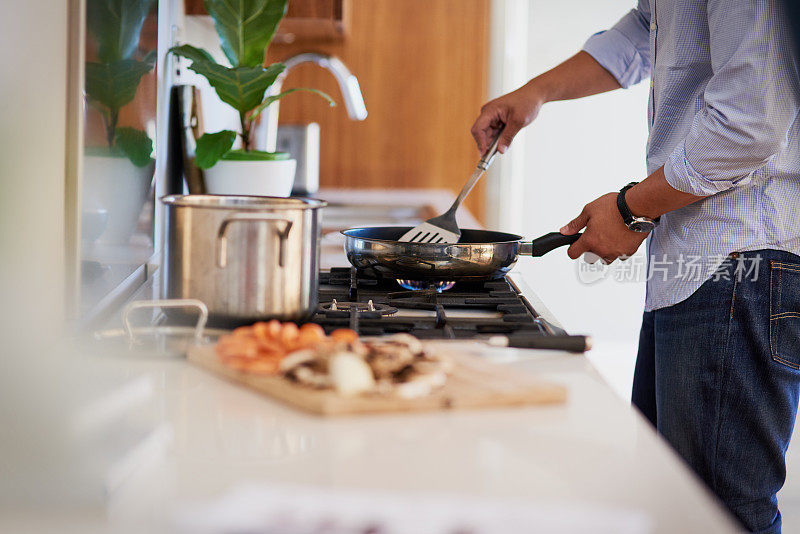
<point>423,67</point>
<point>306,20</point>
<point>314,20</point>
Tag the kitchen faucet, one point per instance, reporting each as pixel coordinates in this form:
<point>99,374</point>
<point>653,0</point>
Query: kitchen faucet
<point>267,128</point>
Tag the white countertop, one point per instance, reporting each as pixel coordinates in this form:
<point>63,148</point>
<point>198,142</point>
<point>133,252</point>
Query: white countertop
<point>593,450</point>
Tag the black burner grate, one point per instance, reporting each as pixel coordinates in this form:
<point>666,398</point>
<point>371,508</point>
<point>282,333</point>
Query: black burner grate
<point>447,314</point>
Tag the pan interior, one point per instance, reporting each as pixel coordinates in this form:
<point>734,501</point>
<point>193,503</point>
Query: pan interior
<point>394,233</point>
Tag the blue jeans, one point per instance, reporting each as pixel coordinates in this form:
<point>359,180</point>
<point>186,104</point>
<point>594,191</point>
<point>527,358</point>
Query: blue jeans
<point>719,376</point>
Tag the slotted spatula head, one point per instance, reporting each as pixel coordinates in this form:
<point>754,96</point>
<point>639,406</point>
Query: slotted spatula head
<point>441,229</point>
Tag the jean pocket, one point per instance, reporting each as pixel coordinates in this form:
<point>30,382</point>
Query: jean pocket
<point>784,319</point>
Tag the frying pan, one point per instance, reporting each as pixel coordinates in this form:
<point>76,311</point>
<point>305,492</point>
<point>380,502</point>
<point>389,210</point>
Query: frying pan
<point>479,255</point>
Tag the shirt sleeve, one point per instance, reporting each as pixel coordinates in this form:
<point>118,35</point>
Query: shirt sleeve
<point>624,50</point>
<point>750,101</point>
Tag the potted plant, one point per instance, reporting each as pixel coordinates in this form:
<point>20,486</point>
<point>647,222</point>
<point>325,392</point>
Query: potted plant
<point>245,30</point>
<point>118,174</point>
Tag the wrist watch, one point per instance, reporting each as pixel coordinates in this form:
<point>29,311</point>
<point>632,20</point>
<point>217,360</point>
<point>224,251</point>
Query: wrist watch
<point>634,223</point>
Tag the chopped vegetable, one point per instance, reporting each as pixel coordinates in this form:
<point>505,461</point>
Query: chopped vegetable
<point>260,348</point>
<point>394,365</point>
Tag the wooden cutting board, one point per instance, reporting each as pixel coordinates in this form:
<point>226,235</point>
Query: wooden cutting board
<point>473,383</point>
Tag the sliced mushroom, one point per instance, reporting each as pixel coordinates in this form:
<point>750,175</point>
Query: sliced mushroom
<point>413,344</point>
<point>310,377</point>
<point>296,358</point>
<point>395,365</point>
<point>420,385</point>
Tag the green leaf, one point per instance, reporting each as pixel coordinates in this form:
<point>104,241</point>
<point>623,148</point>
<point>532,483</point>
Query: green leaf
<point>246,27</point>
<point>255,155</point>
<point>136,145</point>
<point>211,147</point>
<point>116,25</point>
<point>114,84</point>
<point>242,88</point>
<point>270,99</point>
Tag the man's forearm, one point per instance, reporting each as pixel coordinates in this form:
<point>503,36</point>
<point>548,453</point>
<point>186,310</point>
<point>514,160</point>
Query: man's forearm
<point>653,196</point>
<point>579,76</point>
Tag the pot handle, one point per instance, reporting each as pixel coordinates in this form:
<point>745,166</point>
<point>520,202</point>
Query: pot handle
<point>202,317</point>
<point>546,243</point>
<point>222,239</point>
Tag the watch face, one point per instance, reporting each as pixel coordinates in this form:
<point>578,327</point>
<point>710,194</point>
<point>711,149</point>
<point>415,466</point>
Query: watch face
<point>641,225</point>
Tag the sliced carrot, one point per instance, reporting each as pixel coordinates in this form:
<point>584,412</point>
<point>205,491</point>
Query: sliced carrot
<point>289,336</point>
<point>259,348</point>
<point>274,328</point>
<point>310,335</point>
<point>261,331</point>
<point>266,367</point>
<point>344,334</point>
<point>270,347</point>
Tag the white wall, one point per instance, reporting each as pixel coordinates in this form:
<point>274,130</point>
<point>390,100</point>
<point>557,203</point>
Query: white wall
<point>574,152</point>
<point>33,93</point>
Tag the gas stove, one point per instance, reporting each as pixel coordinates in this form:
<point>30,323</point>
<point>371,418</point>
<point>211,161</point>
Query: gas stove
<point>494,311</point>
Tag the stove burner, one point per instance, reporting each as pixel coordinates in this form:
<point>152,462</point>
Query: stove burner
<point>469,310</point>
<point>414,285</point>
<point>359,307</point>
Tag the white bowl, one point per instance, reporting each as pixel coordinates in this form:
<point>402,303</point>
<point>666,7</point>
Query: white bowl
<point>117,187</point>
<point>263,178</point>
<point>93,224</point>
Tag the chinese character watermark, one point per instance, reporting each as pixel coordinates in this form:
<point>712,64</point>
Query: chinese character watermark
<point>683,267</point>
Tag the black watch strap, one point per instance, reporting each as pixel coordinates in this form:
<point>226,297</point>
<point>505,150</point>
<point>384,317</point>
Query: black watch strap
<point>623,208</point>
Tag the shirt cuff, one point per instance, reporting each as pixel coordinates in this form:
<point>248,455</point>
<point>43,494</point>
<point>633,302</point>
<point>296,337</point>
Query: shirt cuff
<point>618,55</point>
<point>682,176</point>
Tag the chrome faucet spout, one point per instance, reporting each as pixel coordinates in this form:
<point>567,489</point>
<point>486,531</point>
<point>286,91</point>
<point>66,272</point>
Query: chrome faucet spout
<point>348,84</point>
<point>267,130</point>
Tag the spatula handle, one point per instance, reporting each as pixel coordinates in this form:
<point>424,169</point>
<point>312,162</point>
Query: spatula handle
<point>491,152</point>
<point>480,168</point>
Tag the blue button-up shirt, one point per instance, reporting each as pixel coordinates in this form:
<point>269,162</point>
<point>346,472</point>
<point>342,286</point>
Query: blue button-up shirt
<point>723,103</point>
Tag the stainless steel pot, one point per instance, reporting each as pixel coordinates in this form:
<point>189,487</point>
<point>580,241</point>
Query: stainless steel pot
<point>247,258</point>
<point>479,254</point>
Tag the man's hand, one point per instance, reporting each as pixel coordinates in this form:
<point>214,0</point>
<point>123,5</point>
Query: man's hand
<point>514,110</point>
<point>606,234</point>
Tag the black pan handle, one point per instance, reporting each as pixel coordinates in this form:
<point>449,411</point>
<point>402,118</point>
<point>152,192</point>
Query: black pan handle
<point>548,242</point>
<point>563,342</point>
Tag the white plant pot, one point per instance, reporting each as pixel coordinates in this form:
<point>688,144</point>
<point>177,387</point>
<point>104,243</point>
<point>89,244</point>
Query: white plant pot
<point>117,187</point>
<point>262,178</point>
